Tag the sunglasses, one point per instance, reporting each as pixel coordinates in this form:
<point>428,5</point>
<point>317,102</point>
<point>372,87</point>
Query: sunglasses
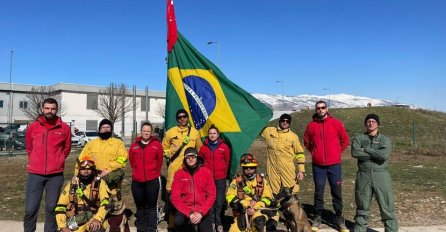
<point>181,117</point>
<point>191,157</point>
<point>321,108</point>
<point>284,121</point>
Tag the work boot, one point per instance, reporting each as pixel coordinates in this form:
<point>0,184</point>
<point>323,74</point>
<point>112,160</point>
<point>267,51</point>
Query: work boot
<point>341,224</point>
<point>317,223</point>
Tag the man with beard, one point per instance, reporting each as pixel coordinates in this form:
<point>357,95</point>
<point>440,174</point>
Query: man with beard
<point>326,138</point>
<point>48,143</point>
<point>110,156</point>
<point>83,203</point>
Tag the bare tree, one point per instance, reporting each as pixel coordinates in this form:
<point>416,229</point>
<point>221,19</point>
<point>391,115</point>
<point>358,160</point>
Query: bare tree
<point>161,110</point>
<point>36,97</point>
<point>113,103</point>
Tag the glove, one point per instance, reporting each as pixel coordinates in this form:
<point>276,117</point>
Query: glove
<point>237,205</point>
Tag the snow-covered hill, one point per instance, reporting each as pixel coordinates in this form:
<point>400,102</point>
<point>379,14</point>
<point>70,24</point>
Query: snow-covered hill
<point>292,103</point>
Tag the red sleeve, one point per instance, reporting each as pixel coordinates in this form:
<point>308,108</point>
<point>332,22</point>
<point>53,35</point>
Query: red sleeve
<point>159,156</point>
<point>307,139</point>
<point>343,137</point>
<point>175,194</point>
<point>131,156</point>
<point>210,192</point>
<point>201,152</point>
<point>227,156</point>
<point>67,148</point>
<point>29,140</point>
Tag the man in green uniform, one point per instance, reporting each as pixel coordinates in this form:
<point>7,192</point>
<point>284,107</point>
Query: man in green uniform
<point>372,151</point>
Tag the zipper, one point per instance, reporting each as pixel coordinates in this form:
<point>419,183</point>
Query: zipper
<point>143,162</point>
<point>192,187</point>
<point>325,142</point>
<point>45,140</point>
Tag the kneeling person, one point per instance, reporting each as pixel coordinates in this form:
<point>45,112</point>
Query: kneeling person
<point>249,195</point>
<point>82,205</point>
<point>193,193</point>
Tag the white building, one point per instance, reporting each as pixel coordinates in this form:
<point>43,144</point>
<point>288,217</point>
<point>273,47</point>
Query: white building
<point>77,102</point>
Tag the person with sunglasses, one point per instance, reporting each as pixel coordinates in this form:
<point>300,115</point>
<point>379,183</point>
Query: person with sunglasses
<point>249,195</point>
<point>217,155</point>
<point>372,150</point>
<point>193,194</point>
<point>326,138</point>
<point>83,203</point>
<point>176,140</point>
<point>283,147</point>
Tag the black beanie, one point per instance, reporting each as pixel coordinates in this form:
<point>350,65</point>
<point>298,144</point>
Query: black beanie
<point>285,116</point>
<point>372,116</point>
<point>190,150</point>
<point>105,121</point>
<point>181,111</point>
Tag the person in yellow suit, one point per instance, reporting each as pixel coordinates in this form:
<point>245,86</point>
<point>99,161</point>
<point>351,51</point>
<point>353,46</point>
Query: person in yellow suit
<point>283,147</point>
<point>250,196</point>
<point>175,142</point>
<point>82,205</point>
<point>110,157</point>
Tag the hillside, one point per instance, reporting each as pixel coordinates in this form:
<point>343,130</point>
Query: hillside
<point>402,125</point>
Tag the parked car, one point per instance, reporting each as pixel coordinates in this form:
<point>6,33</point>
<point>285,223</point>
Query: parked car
<point>86,136</point>
<point>75,140</point>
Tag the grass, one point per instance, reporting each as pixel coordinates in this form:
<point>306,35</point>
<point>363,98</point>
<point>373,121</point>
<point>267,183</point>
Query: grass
<point>418,176</point>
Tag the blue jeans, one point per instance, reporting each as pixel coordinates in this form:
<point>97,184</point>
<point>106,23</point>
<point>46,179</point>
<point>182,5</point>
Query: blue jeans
<point>35,185</point>
<point>334,175</point>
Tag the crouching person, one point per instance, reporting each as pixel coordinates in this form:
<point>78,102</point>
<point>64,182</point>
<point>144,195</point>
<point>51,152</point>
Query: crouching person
<point>193,194</point>
<point>250,195</point>
<point>82,205</point>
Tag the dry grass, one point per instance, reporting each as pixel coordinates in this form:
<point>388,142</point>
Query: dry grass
<point>419,186</point>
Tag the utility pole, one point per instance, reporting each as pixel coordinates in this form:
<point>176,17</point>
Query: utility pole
<point>329,96</point>
<point>11,97</point>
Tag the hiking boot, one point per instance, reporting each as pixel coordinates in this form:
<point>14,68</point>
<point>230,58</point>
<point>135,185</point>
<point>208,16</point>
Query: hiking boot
<point>317,223</point>
<point>340,221</point>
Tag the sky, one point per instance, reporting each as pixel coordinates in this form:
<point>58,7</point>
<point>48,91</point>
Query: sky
<point>393,50</point>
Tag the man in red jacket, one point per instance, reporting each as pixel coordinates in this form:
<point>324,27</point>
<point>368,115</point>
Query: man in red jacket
<point>48,143</point>
<point>326,138</point>
<point>193,193</point>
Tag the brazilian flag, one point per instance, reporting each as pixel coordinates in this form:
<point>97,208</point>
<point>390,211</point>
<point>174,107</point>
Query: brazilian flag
<point>198,86</point>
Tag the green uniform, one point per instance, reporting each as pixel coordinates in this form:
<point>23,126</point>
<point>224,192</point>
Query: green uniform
<point>373,179</point>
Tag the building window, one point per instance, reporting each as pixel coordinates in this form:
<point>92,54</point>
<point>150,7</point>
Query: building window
<point>143,104</point>
<point>23,104</point>
<point>1,103</point>
<point>91,125</point>
<point>92,102</point>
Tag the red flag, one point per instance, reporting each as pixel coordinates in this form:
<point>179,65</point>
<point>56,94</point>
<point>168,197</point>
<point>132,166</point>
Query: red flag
<point>172,33</point>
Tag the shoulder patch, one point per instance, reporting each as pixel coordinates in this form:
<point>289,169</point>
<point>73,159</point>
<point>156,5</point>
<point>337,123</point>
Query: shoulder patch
<point>233,186</point>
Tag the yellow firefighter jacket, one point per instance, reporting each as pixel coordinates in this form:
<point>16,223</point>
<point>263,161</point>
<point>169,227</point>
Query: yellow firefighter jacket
<point>283,147</point>
<point>172,141</point>
<point>65,209</point>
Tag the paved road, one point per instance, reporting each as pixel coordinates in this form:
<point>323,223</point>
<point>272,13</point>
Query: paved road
<point>13,226</point>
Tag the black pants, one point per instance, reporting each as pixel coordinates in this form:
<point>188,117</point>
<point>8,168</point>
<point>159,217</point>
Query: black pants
<point>220,186</point>
<point>145,196</point>
<point>182,223</point>
<point>334,175</point>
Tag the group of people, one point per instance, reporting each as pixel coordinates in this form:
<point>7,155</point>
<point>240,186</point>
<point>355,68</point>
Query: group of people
<point>196,175</point>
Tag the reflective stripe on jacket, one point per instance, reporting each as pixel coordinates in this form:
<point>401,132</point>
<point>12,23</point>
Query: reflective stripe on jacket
<point>109,154</point>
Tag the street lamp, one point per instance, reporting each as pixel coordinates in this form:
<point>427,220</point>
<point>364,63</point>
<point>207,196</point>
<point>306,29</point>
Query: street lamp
<point>283,89</point>
<point>218,50</point>
<point>396,100</point>
<point>11,98</point>
<point>329,96</point>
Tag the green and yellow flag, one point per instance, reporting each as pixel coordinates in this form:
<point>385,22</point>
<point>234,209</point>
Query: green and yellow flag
<point>198,86</point>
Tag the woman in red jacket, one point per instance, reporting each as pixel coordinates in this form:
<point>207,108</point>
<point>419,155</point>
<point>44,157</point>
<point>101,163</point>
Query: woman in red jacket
<point>193,194</point>
<point>216,155</point>
<point>146,159</point>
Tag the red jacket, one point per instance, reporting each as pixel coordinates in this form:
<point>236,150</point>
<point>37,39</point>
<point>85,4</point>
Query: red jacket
<point>47,148</point>
<point>326,139</point>
<point>193,193</point>
<point>218,160</point>
<point>146,162</point>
